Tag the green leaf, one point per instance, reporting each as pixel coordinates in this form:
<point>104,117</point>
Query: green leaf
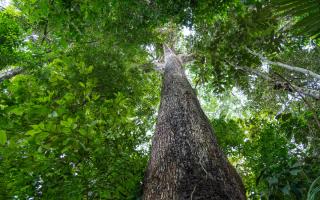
<point>294,172</point>
<point>82,85</point>
<point>3,137</point>
<point>285,190</point>
<point>32,132</point>
<point>17,111</point>
<point>272,180</point>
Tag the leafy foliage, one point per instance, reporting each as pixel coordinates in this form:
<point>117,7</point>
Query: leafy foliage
<point>222,41</point>
<point>76,122</point>
<point>10,37</point>
<point>275,167</point>
<point>66,134</point>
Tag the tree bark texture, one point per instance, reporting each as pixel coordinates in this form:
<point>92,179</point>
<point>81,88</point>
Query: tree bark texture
<point>186,162</point>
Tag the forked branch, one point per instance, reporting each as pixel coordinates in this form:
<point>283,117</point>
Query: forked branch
<point>286,66</point>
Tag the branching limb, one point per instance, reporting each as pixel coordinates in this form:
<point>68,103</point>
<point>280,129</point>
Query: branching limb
<point>45,31</point>
<point>290,87</point>
<point>312,93</point>
<point>286,66</point>
<point>256,72</point>
<point>159,66</point>
<point>283,85</point>
<point>306,101</point>
<point>9,73</point>
<point>186,58</point>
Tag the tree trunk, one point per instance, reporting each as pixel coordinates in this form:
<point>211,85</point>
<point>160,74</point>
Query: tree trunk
<point>186,162</point>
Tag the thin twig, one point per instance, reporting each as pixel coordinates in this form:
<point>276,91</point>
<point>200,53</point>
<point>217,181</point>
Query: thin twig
<point>45,32</point>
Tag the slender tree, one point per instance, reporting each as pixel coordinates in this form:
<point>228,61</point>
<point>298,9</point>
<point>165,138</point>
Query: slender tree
<point>186,162</point>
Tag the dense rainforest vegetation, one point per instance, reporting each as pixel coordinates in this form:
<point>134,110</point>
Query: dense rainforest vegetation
<point>79,92</point>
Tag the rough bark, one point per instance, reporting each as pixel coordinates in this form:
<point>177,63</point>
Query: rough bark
<point>186,162</point>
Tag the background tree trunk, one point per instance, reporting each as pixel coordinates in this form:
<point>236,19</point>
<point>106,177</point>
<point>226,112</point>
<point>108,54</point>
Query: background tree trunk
<point>186,162</point>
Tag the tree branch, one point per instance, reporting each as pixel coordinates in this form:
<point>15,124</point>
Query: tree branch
<point>306,102</point>
<point>9,73</point>
<point>284,85</point>
<point>290,87</point>
<point>186,58</point>
<point>286,66</point>
<point>45,31</point>
<point>159,66</point>
<point>256,72</point>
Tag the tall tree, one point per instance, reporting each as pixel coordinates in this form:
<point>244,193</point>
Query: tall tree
<point>78,98</point>
<point>186,161</point>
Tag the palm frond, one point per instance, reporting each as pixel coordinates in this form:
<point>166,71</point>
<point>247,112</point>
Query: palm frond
<point>307,13</point>
<point>314,190</point>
